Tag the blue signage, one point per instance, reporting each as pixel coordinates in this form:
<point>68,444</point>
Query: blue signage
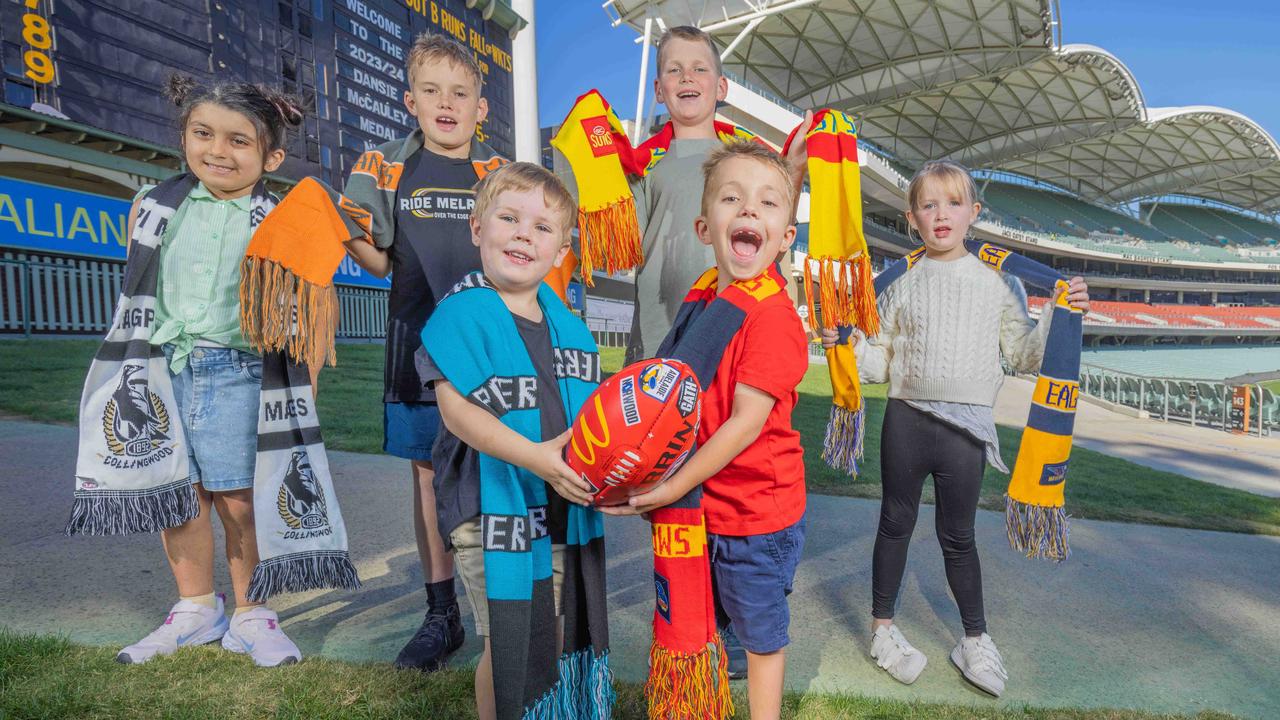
<point>41,217</point>
<point>577,299</point>
<point>58,220</point>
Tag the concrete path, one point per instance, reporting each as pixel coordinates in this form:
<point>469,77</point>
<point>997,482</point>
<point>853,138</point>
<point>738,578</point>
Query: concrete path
<point>1140,617</point>
<point>1245,462</point>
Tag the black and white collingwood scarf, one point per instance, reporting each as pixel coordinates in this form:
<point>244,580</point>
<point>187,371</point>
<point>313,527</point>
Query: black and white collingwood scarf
<point>132,470</point>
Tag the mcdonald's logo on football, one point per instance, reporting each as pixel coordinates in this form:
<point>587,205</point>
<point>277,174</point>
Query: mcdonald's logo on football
<point>599,135</point>
<point>590,439</point>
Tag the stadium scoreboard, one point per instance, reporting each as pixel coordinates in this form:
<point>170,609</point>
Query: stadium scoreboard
<point>104,63</point>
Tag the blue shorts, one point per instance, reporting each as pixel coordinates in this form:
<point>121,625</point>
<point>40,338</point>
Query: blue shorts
<point>218,397</point>
<point>751,576</point>
<point>409,429</point>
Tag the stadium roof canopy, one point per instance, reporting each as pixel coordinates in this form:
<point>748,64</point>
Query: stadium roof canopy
<point>986,82</point>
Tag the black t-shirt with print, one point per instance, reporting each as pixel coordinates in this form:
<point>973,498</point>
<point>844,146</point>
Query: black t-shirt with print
<point>432,251</point>
<point>457,466</point>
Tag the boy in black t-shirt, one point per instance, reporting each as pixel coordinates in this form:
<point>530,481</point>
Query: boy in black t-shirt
<point>419,192</point>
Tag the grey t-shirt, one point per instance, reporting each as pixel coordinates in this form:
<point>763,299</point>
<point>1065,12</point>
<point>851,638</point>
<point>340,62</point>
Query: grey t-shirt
<point>668,200</point>
<point>457,466</point>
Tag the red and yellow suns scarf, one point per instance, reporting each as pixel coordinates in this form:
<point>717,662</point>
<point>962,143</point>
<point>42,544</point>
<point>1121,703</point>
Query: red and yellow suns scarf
<point>839,257</point>
<point>688,670</point>
<point>602,158</point>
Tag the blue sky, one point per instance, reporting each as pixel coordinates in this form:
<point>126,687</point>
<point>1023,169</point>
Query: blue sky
<point>1224,53</point>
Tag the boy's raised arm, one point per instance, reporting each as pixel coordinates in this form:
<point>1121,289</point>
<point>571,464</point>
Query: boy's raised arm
<point>751,408</point>
<point>483,432</point>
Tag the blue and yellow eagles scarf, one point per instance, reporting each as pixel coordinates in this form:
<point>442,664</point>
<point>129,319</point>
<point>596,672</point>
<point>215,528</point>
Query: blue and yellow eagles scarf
<point>1034,514</point>
<point>472,338</point>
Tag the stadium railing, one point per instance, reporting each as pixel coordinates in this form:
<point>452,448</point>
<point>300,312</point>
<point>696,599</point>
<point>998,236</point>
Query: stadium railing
<point>1205,403</point>
<point>72,296</point>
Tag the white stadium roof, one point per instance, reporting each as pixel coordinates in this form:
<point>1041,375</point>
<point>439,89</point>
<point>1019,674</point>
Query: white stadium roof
<point>988,83</point>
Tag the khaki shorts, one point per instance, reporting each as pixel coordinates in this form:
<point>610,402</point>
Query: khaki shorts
<point>468,560</point>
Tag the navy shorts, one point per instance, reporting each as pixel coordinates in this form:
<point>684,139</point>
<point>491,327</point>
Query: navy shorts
<point>752,576</point>
<point>410,429</point>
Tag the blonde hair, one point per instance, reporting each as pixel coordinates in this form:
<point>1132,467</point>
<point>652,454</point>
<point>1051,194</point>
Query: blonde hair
<point>434,46</point>
<point>523,177</point>
<point>692,34</point>
<point>750,150</point>
<point>947,171</point>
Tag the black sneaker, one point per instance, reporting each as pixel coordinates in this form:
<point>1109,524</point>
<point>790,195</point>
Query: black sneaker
<point>736,653</point>
<point>439,636</point>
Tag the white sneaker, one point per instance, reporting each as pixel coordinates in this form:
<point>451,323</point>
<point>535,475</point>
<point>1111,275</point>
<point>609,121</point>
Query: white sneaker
<point>893,653</point>
<point>980,663</point>
<point>257,633</point>
<point>188,623</point>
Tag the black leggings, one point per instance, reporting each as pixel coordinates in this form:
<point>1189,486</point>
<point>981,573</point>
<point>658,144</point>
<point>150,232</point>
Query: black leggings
<point>914,444</point>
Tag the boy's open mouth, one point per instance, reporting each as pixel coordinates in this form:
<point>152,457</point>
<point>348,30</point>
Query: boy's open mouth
<point>745,243</point>
<point>942,231</point>
<point>518,257</point>
<point>446,123</point>
<point>688,94</point>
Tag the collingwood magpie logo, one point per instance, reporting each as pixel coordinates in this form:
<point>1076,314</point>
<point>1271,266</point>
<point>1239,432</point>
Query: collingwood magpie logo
<point>300,500</point>
<point>135,421</point>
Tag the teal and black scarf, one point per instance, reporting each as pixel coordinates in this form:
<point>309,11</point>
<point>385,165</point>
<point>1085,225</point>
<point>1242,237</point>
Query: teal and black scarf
<point>473,339</point>
<point>1034,515</point>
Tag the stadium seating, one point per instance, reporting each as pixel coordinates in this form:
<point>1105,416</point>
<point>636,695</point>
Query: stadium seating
<point>1177,232</point>
<point>1199,317</point>
<point>1211,226</point>
<point>1048,211</point>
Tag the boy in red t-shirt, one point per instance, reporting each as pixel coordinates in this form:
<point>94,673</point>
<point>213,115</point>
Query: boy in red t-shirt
<point>749,460</point>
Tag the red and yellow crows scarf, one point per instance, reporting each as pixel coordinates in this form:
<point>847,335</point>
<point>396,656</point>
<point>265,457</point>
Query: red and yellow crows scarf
<point>602,158</point>
<point>688,670</point>
<point>839,257</point>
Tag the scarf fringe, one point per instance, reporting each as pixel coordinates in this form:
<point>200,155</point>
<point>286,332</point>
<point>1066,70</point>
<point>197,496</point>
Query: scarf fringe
<point>1038,531</point>
<point>689,686</point>
<point>133,511</point>
<point>609,237</point>
<point>584,689</point>
<point>846,287</point>
<point>297,572</point>
<point>280,310</point>
<point>846,430</point>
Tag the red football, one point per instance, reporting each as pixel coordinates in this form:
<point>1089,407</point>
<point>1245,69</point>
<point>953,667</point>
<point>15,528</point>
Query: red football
<point>636,429</point>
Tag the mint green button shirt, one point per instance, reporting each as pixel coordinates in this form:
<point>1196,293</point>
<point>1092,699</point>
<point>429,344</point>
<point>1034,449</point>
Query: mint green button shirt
<point>199,295</point>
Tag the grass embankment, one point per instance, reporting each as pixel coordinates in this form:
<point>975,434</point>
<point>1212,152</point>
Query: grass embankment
<point>43,378</point>
<point>50,678</point>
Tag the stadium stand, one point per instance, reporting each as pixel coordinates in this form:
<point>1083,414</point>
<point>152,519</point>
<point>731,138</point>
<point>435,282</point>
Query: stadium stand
<point>1048,211</point>
<point>1210,226</point>
<point>1200,317</point>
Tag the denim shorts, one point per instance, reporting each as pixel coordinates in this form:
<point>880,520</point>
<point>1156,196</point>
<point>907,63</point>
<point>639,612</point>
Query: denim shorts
<point>751,576</point>
<point>217,395</point>
<point>409,429</point>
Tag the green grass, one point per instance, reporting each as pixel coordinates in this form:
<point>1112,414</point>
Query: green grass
<point>46,677</point>
<point>42,380</point>
<point>1272,385</point>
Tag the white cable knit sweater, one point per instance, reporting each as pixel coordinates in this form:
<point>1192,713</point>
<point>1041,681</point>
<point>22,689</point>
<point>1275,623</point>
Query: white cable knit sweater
<point>943,326</point>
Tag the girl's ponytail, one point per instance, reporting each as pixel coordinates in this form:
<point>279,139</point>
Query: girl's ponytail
<point>288,106</point>
<point>178,89</point>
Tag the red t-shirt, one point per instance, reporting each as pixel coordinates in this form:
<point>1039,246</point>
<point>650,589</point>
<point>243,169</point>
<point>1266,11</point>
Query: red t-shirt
<point>762,489</point>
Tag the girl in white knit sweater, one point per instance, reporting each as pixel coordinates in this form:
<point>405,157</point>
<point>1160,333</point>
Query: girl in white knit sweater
<point>943,328</point>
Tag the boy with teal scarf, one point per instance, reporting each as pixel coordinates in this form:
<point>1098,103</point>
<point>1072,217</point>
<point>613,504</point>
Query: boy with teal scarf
<point>511,366</point>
